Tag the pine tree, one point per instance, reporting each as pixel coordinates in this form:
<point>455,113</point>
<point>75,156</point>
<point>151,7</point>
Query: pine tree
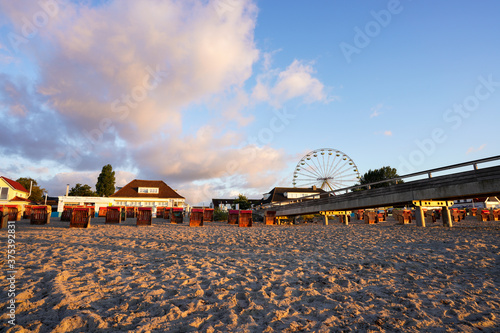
<point>106,182</point>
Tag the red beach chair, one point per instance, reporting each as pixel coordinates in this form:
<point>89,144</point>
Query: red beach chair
<point>208,215</point>
<point>233,216</point>
<point>245,218</point>
<point>113,215</point>
<point>177,215</point>
<point>80,218</point>
<point>144,216</point>
<point>196,217</point>
<point>40,214</point>
<point>270,217</point>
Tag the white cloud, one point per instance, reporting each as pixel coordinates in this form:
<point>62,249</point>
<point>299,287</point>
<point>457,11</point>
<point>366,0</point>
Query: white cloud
<point>116,82</point>
<point>296,81</point>
<point>388,133</point>
<point>376,110</point>
<point>56,185</point>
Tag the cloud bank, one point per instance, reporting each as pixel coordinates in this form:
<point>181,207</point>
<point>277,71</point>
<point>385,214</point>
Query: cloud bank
<point>156,87</point>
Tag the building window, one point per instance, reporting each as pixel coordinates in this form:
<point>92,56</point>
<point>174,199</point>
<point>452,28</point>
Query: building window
<point>4,192</point>
<point>154,190</point>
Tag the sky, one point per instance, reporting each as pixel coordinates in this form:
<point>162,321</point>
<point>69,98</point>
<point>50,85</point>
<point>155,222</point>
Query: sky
<point>223,97</point>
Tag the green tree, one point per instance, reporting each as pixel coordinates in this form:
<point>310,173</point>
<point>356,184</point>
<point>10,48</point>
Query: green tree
<point>242,201</point>
<point>106,182</point>
<point>37,192</point>
<point>220,215</point>
<point>377,175</point>
<point>82,191</point>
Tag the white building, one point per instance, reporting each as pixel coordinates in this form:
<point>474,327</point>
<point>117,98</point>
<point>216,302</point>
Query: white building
<point>148,193</point>
<point>137,193</point>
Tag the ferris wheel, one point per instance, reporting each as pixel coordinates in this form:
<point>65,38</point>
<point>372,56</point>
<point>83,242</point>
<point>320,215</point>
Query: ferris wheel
<point>326,168</point>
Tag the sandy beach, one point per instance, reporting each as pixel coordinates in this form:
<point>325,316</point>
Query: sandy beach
<point>221,278</point>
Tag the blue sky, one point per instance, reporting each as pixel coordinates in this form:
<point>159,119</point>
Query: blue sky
<point>225,97</point>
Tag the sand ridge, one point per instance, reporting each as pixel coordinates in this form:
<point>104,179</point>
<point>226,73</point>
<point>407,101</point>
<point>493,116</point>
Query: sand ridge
<point>221,278</point>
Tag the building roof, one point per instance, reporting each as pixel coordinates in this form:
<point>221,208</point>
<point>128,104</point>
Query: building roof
<point>277,194</point>
<point>131,190</point>
<point>17,186</point>
<point>16,198</point>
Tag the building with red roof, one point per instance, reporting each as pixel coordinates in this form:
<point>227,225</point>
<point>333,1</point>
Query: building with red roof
<point>12,191</point>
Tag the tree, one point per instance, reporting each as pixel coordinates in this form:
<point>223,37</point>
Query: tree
<point>82,191</point>
<point>37,192</point>
<point>106,182</point>
<point>220,215</point>
<point>377,175</point>
<point>242,201</point>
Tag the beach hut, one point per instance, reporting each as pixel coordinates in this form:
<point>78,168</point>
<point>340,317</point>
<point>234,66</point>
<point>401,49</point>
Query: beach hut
<point>27,212</point>
<point>144,216</point>
<point>473,211</point>
<point>160,212</point>
<point>437,213</point>
<point>455,215</point>
<point>402,216</point>
<point>40,214</point>
<point>462,213</point>
<point>4,218</point>
<point>430,216</point>
<point>233,216</point>
<point>196,217</point>
<point>245,218</point>
<point>102,212</point>
<point>381,215</point>
<point>167,212</point>
<point>370,217</point>
<point>208,215</point>
<point>66,214</point>
<point>91,210</point>
<point>123,213</point>
<point>113,215</point>
<point>177,215</point>
<point>80,217</point>
<point>495,215</point>
<point>270,217</point>
<point>14,212</point>
<point>131,212</point>
<point>484,215</point>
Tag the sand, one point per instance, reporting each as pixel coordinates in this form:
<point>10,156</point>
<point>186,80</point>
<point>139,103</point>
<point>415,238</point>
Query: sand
<point>221,278</point>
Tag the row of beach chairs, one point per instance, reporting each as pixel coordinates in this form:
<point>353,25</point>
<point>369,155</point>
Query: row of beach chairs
<point>39,214</point>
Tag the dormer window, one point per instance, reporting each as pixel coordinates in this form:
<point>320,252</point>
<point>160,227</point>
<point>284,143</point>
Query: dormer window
<point>149,190</point>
